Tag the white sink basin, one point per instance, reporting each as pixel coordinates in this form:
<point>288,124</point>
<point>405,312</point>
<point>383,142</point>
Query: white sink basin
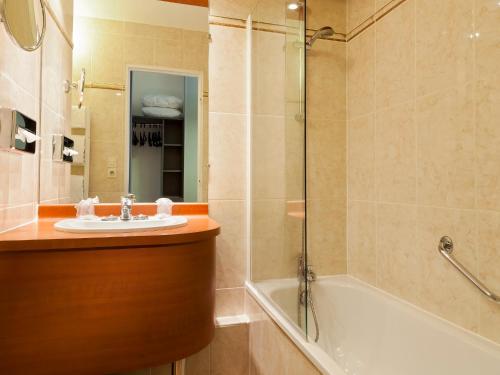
<point>100,226</point>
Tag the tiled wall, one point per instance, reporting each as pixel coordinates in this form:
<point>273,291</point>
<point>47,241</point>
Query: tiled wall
<point>227,145</point>
<point>270,351</point>
<point>31,82</point>
<point>258,347</point>
<point>423,159</point>
<point>276,135</point>
<point>56,106</point>
<point>105,48</point>
<point>326,140</point>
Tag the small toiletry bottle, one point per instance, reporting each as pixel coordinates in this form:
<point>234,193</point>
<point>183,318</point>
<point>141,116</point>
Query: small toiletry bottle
<point>164,207</point>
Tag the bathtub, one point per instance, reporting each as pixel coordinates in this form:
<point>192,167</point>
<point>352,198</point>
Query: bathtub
<point>365,331</point>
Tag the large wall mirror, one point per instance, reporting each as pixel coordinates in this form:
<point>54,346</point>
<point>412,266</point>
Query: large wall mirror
<point>24,21</point>
<point>142,126</point>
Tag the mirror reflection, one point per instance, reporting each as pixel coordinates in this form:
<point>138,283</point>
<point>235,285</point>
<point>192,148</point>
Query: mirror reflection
<point>25,22</point>
<point>142,126</point>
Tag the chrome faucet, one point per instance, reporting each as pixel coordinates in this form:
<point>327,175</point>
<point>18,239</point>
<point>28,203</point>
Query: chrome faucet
<point>126,210</point>
<point>305,298</point>
<point>305,272</point>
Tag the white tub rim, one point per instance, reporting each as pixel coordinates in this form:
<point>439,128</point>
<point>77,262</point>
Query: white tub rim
<point>313,352</point>
<point>323,362</point>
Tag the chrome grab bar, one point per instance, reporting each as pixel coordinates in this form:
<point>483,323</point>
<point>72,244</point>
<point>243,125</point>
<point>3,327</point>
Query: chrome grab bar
<point>446,250</point>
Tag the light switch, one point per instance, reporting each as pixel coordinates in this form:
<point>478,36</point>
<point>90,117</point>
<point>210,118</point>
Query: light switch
<point>111,163</point>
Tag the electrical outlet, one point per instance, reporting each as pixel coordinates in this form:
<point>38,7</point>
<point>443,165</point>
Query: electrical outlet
<point>111,172</point>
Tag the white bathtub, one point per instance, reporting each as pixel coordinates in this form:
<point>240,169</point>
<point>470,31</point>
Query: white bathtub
<point>365,331</point>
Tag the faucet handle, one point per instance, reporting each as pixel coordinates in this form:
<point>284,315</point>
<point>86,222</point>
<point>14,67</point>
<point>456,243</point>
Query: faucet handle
<point>130,196</point>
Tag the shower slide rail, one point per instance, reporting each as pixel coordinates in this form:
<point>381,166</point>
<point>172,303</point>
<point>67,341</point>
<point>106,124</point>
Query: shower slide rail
<point>446,250</point>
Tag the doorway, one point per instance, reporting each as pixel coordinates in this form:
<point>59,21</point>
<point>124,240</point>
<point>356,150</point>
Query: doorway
<point>164,118</point>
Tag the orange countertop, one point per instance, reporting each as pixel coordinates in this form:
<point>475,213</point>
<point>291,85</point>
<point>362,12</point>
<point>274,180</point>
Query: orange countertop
<point>42,236</point>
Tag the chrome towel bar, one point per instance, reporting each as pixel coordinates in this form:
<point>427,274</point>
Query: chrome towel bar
<point>446,250</point>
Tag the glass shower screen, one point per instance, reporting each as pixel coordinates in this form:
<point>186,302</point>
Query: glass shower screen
<point>278,210</point>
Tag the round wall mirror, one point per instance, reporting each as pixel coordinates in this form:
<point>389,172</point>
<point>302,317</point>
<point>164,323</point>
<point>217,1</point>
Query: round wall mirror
<point>24,21</point>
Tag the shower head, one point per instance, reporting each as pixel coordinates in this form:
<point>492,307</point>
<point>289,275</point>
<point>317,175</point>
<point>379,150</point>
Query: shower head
<point>320,33</point>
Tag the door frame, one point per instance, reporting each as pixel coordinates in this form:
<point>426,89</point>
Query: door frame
<point>128,90</point>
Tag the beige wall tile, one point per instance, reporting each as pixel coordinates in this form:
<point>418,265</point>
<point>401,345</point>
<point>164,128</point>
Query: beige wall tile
<point>227,69</point>
<point>19,65</point>
<point>398,267</point>
<point>107,115</point>
<point>445,124</point>
<point>52,69</point>
<point>199,363</point>
<point>229,301</point>
<point>269,255</point>
<point>195,53</point>
<point>326,237</point>
<point>230,257</point>
<point>443,290</point>
<point>101,153</point>
<point>361,155</point>
<point>227,178</point>
<point>229,351</point>
<point>326,160</point>
<point>326,80</point>
<point>271,11</point>
<point>327,12</point>
<point>361,241</point>
<point>14,96</point>
<point>395,56</point>
<point>395,154</point>
<point>487,141</point>
<point>487,18</point>
<point>267,356</point>
<point>144,30</point>
<point>270,350</point>
<point>108,57</point>
<point>268,157</point>
<point>268,65</point>
<point>139,51</point>
<point>294,151</point>
<point>14,216</point>
<point>446,60</point>
<point>55,115</point>
<point>168,53</point>
<point>361,74</point>
<point>488,258</point>
<point>358,11</point>
<point>487,54</point>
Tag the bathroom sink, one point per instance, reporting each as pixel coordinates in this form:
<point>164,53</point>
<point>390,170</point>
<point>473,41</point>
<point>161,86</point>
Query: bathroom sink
<point>115,226</point>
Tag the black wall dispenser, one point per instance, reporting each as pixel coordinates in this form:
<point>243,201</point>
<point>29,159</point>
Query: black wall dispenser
<point>17,131</point>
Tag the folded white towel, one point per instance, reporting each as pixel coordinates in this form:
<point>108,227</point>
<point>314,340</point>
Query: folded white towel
<point>163,101</point>
<point>161,112</point>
